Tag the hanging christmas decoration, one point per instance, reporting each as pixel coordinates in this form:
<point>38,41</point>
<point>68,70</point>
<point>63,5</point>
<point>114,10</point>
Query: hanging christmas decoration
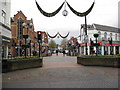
<point>58,36</point>
<point>81,14</point>
<point>64,36</point>
<point>65,12</point>
<point>52,36</point>
<point>48,14</point>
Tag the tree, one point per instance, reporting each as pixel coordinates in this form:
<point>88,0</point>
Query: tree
<point>63,43</point>
<point>52,44</point>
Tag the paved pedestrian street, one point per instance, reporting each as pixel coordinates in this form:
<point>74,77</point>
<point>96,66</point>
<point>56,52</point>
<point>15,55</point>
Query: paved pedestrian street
<point>62,72</point>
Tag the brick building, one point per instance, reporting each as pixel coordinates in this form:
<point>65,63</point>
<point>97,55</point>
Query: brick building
<point>22,27</point>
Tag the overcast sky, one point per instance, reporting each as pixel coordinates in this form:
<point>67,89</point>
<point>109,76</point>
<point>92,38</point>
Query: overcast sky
<point>105,12</point>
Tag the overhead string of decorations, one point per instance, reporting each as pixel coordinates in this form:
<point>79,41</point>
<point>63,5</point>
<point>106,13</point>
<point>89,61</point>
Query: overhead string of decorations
<point>57,35</point>
<point>79,13</point>
<point>65,12</point>
<point>49,14</point>
<point>64,36</point>
<point>52,36</point>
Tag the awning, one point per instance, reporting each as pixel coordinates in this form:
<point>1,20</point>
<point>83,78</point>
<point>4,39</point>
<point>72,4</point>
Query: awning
<point>6,40</point>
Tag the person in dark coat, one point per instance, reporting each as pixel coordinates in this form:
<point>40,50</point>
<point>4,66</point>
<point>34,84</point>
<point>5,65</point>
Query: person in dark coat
<point>63,52</point>
<point>57,52</point>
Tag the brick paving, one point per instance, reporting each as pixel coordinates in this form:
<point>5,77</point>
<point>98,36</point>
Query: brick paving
<point>62,72</point>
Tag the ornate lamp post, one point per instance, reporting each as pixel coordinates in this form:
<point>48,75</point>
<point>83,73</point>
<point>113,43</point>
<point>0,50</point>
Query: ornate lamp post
<point>29,25</point>
<point>110,42</point>
<point>29,41</point>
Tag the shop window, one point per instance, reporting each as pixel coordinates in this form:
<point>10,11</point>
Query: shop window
<point>20,28</point>
<point>99,35</point>
<point>110,35</point>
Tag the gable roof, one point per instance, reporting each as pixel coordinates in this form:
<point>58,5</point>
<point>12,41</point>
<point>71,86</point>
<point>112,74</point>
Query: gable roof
<point>101,28</point>
<point>20,13</point>
<point>106,28</point>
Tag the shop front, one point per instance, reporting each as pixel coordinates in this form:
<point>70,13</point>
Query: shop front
<point>6,47</point>
<point>104,48</point>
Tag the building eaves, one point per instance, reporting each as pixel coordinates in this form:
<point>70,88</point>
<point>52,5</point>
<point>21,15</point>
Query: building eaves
<point>106,28</point>
<point>3,25</point>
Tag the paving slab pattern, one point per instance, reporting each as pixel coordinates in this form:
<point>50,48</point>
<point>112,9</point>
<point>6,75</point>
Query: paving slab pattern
<point>62,72</point>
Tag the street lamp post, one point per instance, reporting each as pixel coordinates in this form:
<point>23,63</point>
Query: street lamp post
<point>91,46</point>
<point>29,25</point>
<point>86,34</point>
<point>96,36</point>
<point>29,41</point>
<point>110,42</point>
<point>39,33</point>
<point>26,36</point>
<point>30,47</point>
<point>39,50</point>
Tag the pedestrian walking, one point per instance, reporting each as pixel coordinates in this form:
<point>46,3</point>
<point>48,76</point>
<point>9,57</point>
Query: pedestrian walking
<point>57,52</point>
<point>63,52</point>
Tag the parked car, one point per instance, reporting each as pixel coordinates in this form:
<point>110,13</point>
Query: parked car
<point>53,52</point>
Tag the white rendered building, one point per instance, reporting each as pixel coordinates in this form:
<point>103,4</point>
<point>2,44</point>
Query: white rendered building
<point>106,33</point>
<point>5,31</point>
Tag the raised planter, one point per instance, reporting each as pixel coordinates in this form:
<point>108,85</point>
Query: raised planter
<point>46,55</point>
<point>12,65</point>
<point>99,61</point>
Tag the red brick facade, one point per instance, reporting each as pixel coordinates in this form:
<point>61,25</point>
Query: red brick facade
<point>18,30</point>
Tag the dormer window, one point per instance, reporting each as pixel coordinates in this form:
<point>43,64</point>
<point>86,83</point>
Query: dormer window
<point>3,17</point>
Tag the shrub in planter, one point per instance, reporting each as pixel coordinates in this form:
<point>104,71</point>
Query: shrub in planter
<point>21,63</point>
<point>93,60</point>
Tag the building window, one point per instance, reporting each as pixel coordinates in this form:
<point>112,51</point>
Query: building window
<point>3,17</point>
<point>110,35</point>
<point>115,36</point>
<point>105,35</point>
<point>20,28</point>
<point>5,2</point>
<point>99,34</point>
<point>119,37</point>
<point>99,38</point>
